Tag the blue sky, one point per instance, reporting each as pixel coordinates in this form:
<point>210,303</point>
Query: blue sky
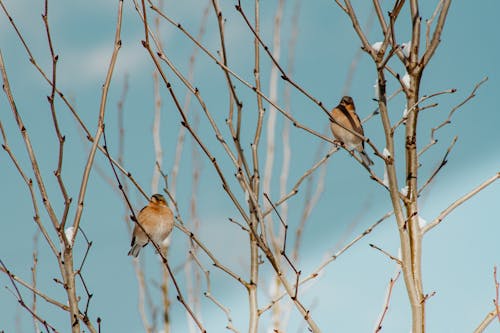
<point>458,257</point>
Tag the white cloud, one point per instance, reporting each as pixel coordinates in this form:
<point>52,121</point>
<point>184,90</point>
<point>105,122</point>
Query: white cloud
<point>92,64</point>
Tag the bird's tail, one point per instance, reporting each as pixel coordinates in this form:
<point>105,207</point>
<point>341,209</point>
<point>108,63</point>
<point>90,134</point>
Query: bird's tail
<point>134,251</point>
<point>366,160</point>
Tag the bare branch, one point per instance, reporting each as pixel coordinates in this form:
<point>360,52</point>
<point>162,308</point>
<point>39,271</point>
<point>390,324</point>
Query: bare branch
<point>310,201</point>
<point>447,121</point>
<point>19,297</point>
<point>143,295</point>
<point>398,261</point>
<point>29,184</point>
<point>341,6</point>
<point>486,321</point>
<point>100,122</point>
<point>250,86</point>
<point>436,37</point>
<point>187,102</point>
<point>273,94</point>
<point>420,101</point>
<point>439,167</point>
<point>460,201</point>
<point>34,280</point>
<point>300,88</point>
<point>392,282</point>
<point>295,188</point>
<point>357,27</point>
<point>210,296</point>
<point>180,298</point>
<point>331,258</point>
<point>497,287</point>
<point>31,153</point>
<point>253,306</point>
<point>51,100</point>
<point>429,22</point>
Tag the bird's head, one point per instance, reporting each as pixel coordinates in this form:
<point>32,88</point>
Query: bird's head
<point>158,199</point>
<point>347,101</point>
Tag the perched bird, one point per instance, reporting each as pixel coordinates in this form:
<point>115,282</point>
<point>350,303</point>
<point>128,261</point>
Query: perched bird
<point>157,220</point>
<point>345,114</point>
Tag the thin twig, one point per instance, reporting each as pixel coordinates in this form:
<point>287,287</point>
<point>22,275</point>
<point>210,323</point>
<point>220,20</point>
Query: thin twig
<point>443,162</point>
<point>79,273</point>
<point>253,88</point>
<point>285,77</point>
<point>60,137</point>
<point>271,119</point>
<point>19,297</point>
<point>392,282</point>
<point>100,122</point>
<point>194,217</point>
<point>62,96</point>
<point>436,37</point>
<point>186,123</point>
<point>255,186</point>
<point>29,184</point>
<point>330,259</point>
<point>458,202</point>
<point>180,298</point>
<point>295,188</point>
<point>428,23</point>
<point>192,236</point>
<point>210,296</point>
<point>34,280</point>
<point>415,107</point>
<point>187,102</point>
<point>398,261</point>
<point>33,159</point>
<point>310,201</point>
<point>287,152</point>
<point>234,99</point>
<point>447,121</point>
<point>497,287</point>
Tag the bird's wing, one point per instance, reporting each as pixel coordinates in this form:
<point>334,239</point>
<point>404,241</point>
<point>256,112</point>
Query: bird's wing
<point>352,118</point>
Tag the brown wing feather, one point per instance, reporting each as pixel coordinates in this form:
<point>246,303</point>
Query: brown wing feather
<point>355,122</point>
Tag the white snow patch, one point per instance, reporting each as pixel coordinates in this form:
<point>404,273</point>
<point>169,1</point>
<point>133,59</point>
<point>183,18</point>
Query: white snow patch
<point>406,80</point>
<point>376,46</point>
<point>385,181</point>
<point>406,48</point>
<point>421,222</point>
<point>375,89</point>
<point>404,191</point>
<point>69,232</point>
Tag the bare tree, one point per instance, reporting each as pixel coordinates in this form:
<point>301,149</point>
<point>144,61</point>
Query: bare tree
<point>236,144</point>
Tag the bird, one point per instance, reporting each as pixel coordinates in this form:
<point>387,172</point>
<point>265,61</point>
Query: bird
<point>345,114</point>
<point>157,220</point>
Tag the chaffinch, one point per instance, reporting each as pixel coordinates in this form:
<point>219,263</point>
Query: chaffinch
<point>345,114</point>
<point>157,220</point>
